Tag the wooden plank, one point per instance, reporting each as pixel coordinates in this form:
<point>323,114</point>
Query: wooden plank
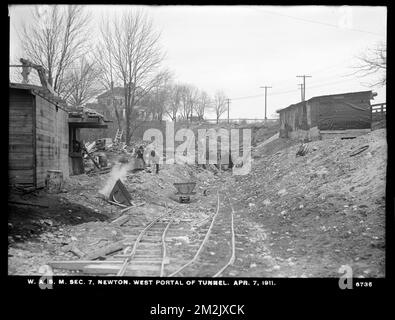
<point>121,220</point>
<point>23,137</point>
<point>15,156</point>
<point>19,105</point>
<point>21,180</point>
<point>21,176</point>
<point>113,268</point>
<point>102,252</point>
<point>16,142</point>
<point>20,148</point>
<point>20,130</point>
<point>27,119</point>
<point>35,145</point>
<point>19,165</point>
<point>48,119</point>
<point>80,264</point>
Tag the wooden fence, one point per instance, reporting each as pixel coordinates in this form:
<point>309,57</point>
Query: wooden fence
<point>378,111</point>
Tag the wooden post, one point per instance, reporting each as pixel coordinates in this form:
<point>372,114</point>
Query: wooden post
<point>382,111</point>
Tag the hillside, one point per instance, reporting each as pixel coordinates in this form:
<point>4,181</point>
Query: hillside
<point>295,216</point>
<point>320,210</point>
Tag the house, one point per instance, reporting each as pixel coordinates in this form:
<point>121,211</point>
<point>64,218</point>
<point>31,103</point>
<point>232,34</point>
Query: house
<point>198,118</point>
<point>42,129</point>
<point>108,100</point>
<point>327,116</point>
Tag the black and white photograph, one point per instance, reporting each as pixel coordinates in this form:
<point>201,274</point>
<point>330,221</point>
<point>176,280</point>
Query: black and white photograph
<point>187,141</point>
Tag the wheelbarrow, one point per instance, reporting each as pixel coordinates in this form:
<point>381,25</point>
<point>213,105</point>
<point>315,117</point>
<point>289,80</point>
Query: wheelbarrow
<point>185,190</point>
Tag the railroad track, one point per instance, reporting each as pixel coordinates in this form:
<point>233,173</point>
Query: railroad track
<point>219,237</point>
<point>145,252</point>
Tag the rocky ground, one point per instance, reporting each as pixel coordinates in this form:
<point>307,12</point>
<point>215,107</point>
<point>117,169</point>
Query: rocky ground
<point>294,216</point>
<point>318,211</point>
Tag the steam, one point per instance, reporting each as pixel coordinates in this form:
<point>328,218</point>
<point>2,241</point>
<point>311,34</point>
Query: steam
<point>118,171</point>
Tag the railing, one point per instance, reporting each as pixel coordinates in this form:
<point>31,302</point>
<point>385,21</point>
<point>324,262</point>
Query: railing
<point>241,120</point>
<point>378,111</point>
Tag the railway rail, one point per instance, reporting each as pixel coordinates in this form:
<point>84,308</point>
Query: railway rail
<point>145,253</point>
<point>197,264</point>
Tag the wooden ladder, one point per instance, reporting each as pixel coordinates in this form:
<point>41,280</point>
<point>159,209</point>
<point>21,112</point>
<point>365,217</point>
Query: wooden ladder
<point>118,136</point>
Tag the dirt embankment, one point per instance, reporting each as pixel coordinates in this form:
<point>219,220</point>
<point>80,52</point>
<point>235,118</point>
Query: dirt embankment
<point>321,210</point>
<point>78,220</point>
<point>295,216</point>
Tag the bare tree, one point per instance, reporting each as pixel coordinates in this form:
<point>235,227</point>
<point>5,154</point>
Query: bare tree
<point>219,104</point>
<point>203,104</point>
<point>104,60</point>
<point>188,98</point>
<point>81,83</point>
<point>373,62</point>
<point>184,107</point>
<point>174,102</point>
<point>159,97</point>
<point>56,37</point>
<point>135,57</point>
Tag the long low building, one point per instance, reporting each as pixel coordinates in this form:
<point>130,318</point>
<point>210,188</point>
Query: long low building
<point>325,115</point>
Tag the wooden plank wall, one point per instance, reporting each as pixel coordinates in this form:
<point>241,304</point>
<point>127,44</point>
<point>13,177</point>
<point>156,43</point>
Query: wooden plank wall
<point>20,139</point>
<point>351,112</point>
<point>52,140</point>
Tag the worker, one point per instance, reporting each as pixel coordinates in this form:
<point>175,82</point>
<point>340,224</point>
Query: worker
<point>77,147</point>
<point>154,159</point>
<point>140,157</point>
<point>102,159</point>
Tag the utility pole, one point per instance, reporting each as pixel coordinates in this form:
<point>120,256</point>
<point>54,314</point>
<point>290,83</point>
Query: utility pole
<point>301,91</point>
<point>228,101</point>
<point>266,87</point>
<point>304,84</point>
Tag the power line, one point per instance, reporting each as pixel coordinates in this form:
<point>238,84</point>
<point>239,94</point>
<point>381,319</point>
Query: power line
<point>248,97</point>
<point>318,22</point>
<point>262,95</point>
<point>292,90</point>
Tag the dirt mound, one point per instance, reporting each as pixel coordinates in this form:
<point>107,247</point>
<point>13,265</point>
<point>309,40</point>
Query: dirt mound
<point>327,208</point>
<point>263,132</point>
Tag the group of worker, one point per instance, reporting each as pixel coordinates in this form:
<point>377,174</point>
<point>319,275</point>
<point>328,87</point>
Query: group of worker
<point>140,163</point>
<point>153,158</point>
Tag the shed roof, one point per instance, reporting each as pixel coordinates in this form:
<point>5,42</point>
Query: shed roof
<point>337,95</point>
<point>40,91</point>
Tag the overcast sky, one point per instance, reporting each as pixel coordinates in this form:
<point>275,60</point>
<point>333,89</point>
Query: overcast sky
<point>238,49</point>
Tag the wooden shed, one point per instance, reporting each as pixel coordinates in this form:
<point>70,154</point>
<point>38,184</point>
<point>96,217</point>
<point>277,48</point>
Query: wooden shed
<point>327,114</point>
<point>38,135</point>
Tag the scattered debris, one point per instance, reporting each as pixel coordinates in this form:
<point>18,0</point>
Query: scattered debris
<point>360,150</point>
<point>77,252</point>
<point>303,150</point>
